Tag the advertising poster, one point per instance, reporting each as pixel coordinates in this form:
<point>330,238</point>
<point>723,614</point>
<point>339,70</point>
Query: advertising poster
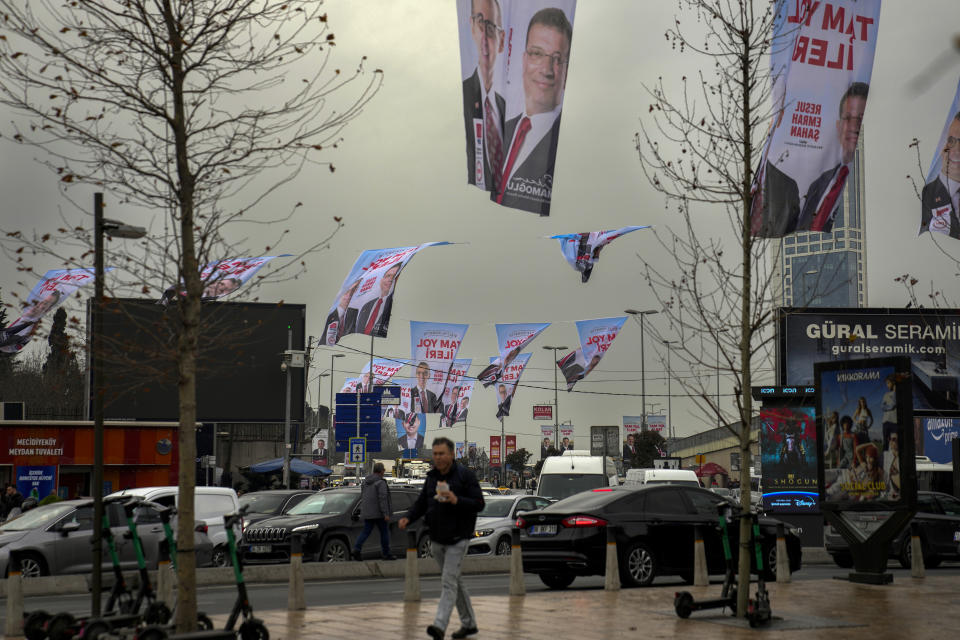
<point>543,412</point>
<point>511,340</point>
<point>938,437</point>
<point>459,450</point>
<point>365,300</point>
<point>596,336</point>
<point>547,435</point>
<point>318,446</point>
<point>938,200</point>
<point>472,454</point>
<point>458,409</point>
<point>657,423</point>
<point>788,453</point>
<point>514,57</point>
<point>566,437</point>
<point>821,62</point>
<point>36,482</point>
<point>49,293</point>
<point>931,339</point>
<point>411,429</point>
<point>495,450</point>
<point>865,434</point>
<point>507,386</point>
<point>582,250</point>
<point>433,348</point>
<point>510,446</point>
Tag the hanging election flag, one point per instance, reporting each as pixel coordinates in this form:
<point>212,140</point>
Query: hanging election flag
<point>433,348</point>
<point>354,385</point>
<point>938,201</point>
<point>411,430</point>
<point>507,386</point>
<point>596,336</point>
<point>460,450</point>
<point>582,250</point>
<point>566,438</point>
<point>821,61</point>
<point>632,424</point>
<point>657,423</point>
<point>406,399</point>
<point>49,293</point>
<point>223,277</point>
<point>365,299</point>
<point>495,451</point>
<point>514,58</point>
<point>510,445</point>
<point>511,340</point>
<point>383,370</point>
<point>456,393</point>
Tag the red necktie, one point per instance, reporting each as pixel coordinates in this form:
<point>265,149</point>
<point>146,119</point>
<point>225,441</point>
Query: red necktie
<point>494,143</point>
<point>423,401</point>
<point>373,317</point>
<point>522,130</point>
<point>823,214</point>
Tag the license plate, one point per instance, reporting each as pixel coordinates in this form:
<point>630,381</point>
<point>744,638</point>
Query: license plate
<point>260,548</point>
<point>543,530</point>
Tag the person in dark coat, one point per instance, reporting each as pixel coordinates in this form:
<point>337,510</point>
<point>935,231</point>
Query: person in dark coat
<point>375,510</point>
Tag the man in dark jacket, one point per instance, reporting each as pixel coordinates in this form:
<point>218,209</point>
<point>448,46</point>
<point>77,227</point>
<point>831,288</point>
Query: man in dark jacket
<point>11,500</point>
<point>449,502</point>
<point>375,509</point>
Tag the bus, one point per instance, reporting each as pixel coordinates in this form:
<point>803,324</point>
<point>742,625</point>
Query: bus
<point>934,476</point>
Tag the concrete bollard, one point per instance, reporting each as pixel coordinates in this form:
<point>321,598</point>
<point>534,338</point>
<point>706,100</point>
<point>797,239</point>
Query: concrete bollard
<point>917,570</point>
<point>411,585</point>
<point>517,586</point>
<point>783,559</point>
<point>701,577</point>
<point>295,599</point>
<point>14,625</point>
<point>165,577</point>
<point>611,580</point>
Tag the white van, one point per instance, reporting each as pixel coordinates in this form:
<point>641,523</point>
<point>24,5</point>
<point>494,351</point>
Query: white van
<point>574,471</point>
<point>641,477</point>
<point>209,506</point>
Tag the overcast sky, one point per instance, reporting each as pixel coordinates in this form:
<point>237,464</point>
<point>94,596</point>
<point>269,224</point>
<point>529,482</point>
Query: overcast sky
<point>400,180</point>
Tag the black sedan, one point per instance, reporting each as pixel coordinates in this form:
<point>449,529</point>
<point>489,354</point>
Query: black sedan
<point>654,534</point>
<point>329,523</point>
<point>266,504</point>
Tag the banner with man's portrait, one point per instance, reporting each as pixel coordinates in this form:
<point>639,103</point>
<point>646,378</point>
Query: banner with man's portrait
<point>821,61</point>
<point>453,391</point>
<point>223,277</point>
<point>50,292</point>
<point>365,300</point>
<point>512,338</point>
<point>596,336</point>
<point>411,430</point>
<point>507,385</point>
<point>582,250</point>
<point>433,348</point>
<point>514,58</point>
<point>318,446</point>
<point>939,199</point>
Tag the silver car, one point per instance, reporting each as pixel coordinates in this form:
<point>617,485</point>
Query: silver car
<point>55,538</point>
<point>492,534</point>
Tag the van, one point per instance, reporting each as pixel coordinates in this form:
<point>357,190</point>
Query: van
<point>574,471</point>
<point>641,477</point>
<point>209,506</point>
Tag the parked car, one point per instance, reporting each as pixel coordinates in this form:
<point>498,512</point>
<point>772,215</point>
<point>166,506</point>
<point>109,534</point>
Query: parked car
<point>210,505</point>
<point>655,534</point>
<point>497,519</point>
<point>266,504</point>
<point>54,539</point>
<point>329,523</point>
<point>938,515</point>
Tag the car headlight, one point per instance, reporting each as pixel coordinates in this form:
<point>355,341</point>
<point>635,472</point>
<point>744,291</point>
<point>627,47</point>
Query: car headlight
<point>482,533</point>
<point>306,527</point>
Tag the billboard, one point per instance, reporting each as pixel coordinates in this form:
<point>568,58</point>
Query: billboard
<point>657,423</point>
<point>543,412</point>
<point>788,454</point>
<point>929,338</point>
<point>938,436</point>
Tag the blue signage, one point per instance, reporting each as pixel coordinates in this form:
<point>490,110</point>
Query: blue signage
<point>938,436</point>
<point>36,482</point>
<point>357,416</point>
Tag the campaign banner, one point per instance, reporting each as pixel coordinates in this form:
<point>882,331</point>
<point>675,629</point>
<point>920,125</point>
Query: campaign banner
<point>50,292</point>
<point>411,430</point>
<point>821,62</point>
<point>511,340</point>
<point>406,399</point>
<point>566,437</point>
<point>510,445</point>
<point>223,277</point>
<point>514,57</point>
<point>938,437</point>
<point>459,450</point>
<point>433,348</point>
<point>582,250</point>
<point>547,433</point>
<point>632,424</point>
<point>866,433</point>
<point>458,408</point>
<point>472,452</point>
<point>318,446</point>
<point>495,450</point>
<point>596,336</point>
<point>657,423</point>
<point>788,455</point>
<point>383,370</point>
<point>36,482</point>
<point>543,412</point>
<point>938,200</point>
<point>507,386</point>
<point>365,299</point>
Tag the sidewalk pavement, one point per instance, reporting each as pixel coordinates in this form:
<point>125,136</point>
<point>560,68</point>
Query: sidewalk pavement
<point>908,608</point>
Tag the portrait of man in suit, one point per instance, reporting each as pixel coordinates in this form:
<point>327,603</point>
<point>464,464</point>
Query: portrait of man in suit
<point>411,438</point>
<point>221,287</point>
<point>344,315</point>
<point>939,198</point>
<point>483,107</point>
<point>629,448</point>
<point>826,192</point>
<point>320,453</point>
<point>531,137</point>
<point>545,447</point>
<point>374,316</point>
<point>503,401</point>
<point>422,397</point>
<point>461,415</point>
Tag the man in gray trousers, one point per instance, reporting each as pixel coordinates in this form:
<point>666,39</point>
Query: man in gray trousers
<point>375,509</point>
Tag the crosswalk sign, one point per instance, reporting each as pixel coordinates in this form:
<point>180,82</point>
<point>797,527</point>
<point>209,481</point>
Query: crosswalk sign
<point>358,450</point>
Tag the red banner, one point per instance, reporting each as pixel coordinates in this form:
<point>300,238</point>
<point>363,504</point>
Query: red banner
<point>510,445</point>
<point>495,450</point>
<point>543,412</point>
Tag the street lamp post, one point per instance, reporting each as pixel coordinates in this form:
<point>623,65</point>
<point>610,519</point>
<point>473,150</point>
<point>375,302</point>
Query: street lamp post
<point>332,435</point>
<point>113,229</point>
<point>556,397</point>
<point>669,396</point>
<point>643,372</point>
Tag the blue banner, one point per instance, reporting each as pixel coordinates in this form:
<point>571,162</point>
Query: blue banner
<point>938,437</point>
<point>36,482</point>
<point>582,250</point>
<point>596,336</point>
<point>433,348</point>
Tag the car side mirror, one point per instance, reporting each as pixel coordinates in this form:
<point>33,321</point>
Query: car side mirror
<point>69,527</point>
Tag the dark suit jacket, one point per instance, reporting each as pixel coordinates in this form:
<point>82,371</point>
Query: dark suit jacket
<point>573,372</point>
<point>433,404</point>
<point>473,108</point>
<point>402,442</point>
<point>380,325</point>
<point>814,194</point>
<point>348,326</point>
<point>781,204</point>
<point>461,416</point>
<point>531,186</point>
<point>934,196</point>
<point>627,454</point>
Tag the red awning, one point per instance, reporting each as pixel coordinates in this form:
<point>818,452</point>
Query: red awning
<point>711,469</point>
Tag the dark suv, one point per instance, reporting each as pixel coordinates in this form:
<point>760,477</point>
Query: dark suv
<point>939,517</point>
<point>330,523</point>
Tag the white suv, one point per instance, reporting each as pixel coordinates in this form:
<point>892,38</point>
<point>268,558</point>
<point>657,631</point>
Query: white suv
<point>210,505</point>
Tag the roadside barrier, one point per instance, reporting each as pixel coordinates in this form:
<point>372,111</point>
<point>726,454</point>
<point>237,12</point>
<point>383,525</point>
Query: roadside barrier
<point>700,574</point>
<point>917,569</point>
<point>517,587</point>
<point>411,586</point>
<point>783,560</point>
<point>14,625</point>
<point>611,580</point>
<point>295,599</point>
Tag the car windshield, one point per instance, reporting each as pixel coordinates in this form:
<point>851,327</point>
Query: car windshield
<point>262,502</point>
<point>686,483</point>
<point>496,509</point>
<point>562,485</point>
<point>38,518</point>
<point>325,503</point>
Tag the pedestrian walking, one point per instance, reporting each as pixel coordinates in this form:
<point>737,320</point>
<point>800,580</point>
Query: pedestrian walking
<point>11,502</point>
<point>375,509</point>
<point>449,503</point>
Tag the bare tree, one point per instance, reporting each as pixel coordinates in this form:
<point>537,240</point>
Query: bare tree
<point>700,152</point>
<point>199,109</point>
